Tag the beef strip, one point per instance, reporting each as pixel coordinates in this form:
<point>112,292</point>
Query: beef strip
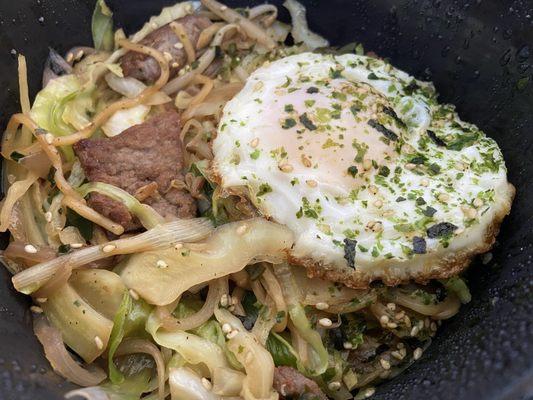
<point>145,153</point>
<point>146,68</point>
<point>289,383</point>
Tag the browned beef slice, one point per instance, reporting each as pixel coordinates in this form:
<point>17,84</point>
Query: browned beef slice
<point>145,153</point>
<point>146,68</point>
<point>289,383</point>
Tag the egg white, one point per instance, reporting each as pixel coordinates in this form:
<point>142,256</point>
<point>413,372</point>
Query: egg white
<point>301,177</point>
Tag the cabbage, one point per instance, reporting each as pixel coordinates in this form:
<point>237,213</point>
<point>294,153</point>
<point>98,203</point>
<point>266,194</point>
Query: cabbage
<point>63,107</point>
<point>161,276</point>
<point>124,119</point>
<point>102,27</point>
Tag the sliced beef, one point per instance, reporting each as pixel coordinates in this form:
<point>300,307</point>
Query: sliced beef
<point>291,384</point>
<point>143,154</point>
<point>164,39</point>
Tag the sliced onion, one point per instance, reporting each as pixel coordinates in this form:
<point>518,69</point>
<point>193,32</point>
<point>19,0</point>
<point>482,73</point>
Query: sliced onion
<point>300,31</point>
<point>88,393</point>
<point>17,249</point>
<point>185,384</point>
<point>442,310</point>
<point>60,359</point>
<point>38,163</point>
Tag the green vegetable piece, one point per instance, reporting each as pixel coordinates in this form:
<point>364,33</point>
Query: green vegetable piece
<point>102,27</point>
<point>117,334</point>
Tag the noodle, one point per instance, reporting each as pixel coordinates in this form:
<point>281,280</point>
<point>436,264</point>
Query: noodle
<point>180,32</point>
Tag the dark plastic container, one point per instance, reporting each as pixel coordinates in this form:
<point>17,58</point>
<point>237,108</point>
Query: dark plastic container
<point>479,53</point>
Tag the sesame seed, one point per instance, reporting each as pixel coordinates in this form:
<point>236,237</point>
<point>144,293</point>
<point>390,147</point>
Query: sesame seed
<point>36,309</point>
<point>207,383</point>
<point>98,342</point>
<point>367,164</point>
<point>424,182</point>
<point>311,183</point>
<point>175,64</point>
<point>161,264</point>
<point>134,294</point>
<point>241,230</point>
<point>167,55</point>
<point>399,316</point>
<point>373,189</point>
<point>417,353</point>
<point>460,166</point>
<point>76,245</point>
<point>224,300</point>
<point>108,248</point>
<point>79,54</point>
<point>325,322</point>
<point>397,355</point>
<point>369,392</point>
<point>410,166</point>
<point>335,385</point>
<point>384,363</point>
<point>49,138</point>
<point>29,248</point>
<point>469,212</point>
<point>322,306</point>
<point>433,326</point>
<point>477,202</point>
<point>400,345</point>
<point>178,45</point>
<point>232,334</point>
<point>226,328</point>
<point>70,57</point>
<point>388,213</point>
<point>254,142</point>
<point>403,352</point>
<point>443,198</point>
<point>48,216</point>
<point>347,345</point>
<point>391,306</point>
<point>306,161</point>
<point>407,321</point>
<point>378,204</point>
<point>286,167</point>
<point>41,300</point>
<point>384,319</point>
<point>178,246</point>
<point>392,325</point>
<point>223,8</point>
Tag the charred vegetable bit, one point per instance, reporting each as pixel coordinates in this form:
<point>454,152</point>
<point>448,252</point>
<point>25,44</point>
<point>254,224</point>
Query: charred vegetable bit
<point>380,128</point>
<point>349,251</point>
<point>442,229</point>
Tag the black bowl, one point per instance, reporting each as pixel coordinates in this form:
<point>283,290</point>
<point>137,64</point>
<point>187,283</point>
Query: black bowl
<point>477,53</point>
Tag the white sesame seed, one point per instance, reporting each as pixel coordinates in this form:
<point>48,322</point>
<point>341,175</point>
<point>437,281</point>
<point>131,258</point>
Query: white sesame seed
<point>369,392</point>
<point>98,342</point>
<point>397,355</point>
<point>424,182</point>
<point>399,316</point>
<point>48,216</point>
<point>49,138</point>
<point>469,212</point>
<point>232,334</point>
<point>443,197</point>
<point>79,54</point>
<point>433,326</point>
<point>311,183</point>
<point>477,202</point>
<point>392,325</point>
<point>306,161</point>
<point>407,321</point>
<point>254,142</point>
<point>70,57</point>
<point>384,319</point>
<point>391,306</point>
<point>29,248</point>
<point>41,299</point>
<point>207,383</point>
<point>76,245</point>
<point>378,204</point>
<point>333,386</point>
<point>224,300</point>
<point>161,264</point>
<point>241,230</point>
<point>417,353</point>
<point>134,294</point>
<point>178,45</point>
<point>367,164</point>
<point>178,246</point>
<point>384,363</point>
<point>167,55</point>
<point>373,189</point>
<point>322,306</point>
<point>108,248</point>
<point>325,322</point>
<point>286,167</point>
<point>347,345</point>
<point>226,328</point>
<point>175,64</point>
<point>410,166</point>
<point>36,309</point>
<point>223,8</point>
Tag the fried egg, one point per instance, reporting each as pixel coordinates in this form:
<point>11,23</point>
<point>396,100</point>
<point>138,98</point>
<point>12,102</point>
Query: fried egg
<point>377,180</point>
